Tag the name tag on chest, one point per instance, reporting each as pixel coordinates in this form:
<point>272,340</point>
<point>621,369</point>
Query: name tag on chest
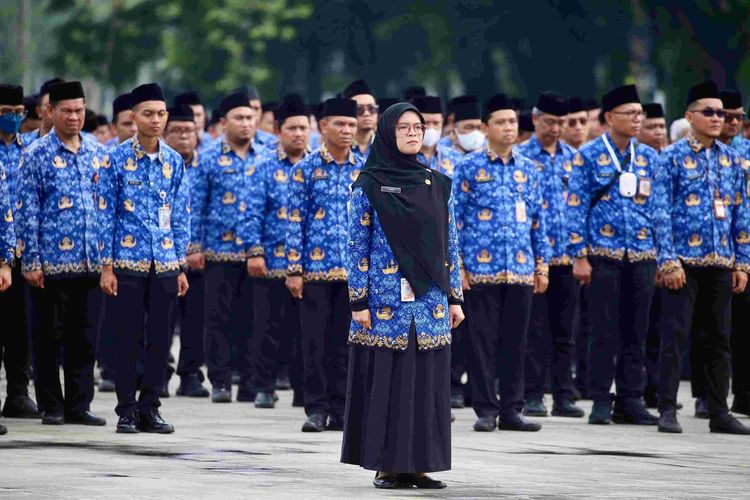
<point>720,211</point>
<point>389,189</point>
<point>165,215</point>
<point>520,211</point>
<point>407,294</point>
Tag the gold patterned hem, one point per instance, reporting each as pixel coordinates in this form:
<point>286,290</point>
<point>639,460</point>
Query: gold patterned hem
<point>28,267</point>
<point>144,266</point>
<point>256,251</point>
<point>745,268</point>
<point>275,274</point>
<point>501,278</point>
<point>669,266</point>
<point>71,268</point>
<point>357,294</point>
<point>425,341</point>
<point>194,248</point>
<point>212,256</point>
<point>710,260</point>
<point>619,254</point>
<point>564,260</point>
<point>335,274</point>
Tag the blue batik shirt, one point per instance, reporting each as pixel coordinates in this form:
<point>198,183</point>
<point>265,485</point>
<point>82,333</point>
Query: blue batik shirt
<point>554,180</point>
<point>144,210</point>
<point>375,284</point>
<point>358,153</point>
<point>689,178</point>
<point>10,155</point>
<point>444,160</point>
<point>7,230</point>
<point>501,229</point>
<point>268,212</point>
<point>616,226</point>
<point>56,214</point>
<point>317,237</point>
<point>220,197</point>
<point>265,140</point>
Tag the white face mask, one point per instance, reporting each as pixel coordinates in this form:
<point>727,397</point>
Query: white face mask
<point>431,137</point>
<point>471,141</point>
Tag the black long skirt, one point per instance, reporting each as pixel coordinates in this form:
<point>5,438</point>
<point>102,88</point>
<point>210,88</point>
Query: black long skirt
<point>398,409</point>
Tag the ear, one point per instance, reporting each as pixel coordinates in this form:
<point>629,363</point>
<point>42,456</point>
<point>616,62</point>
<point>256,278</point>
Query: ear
<point>608,118</point>
<point>484,128</point>
<point>688,116</point>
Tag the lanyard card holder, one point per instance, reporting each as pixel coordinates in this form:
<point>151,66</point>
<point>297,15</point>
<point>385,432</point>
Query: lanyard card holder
<point>720,210</point>
<point>628,184</point>
<point>407,294</point>
<point>520,210</point>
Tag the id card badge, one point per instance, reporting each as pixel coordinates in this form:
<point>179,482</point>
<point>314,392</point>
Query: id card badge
<point>520,210</point>
<point>720,210</point>
<point>407,294</point>
<point>644,187</point>
<point>165,214</point>
<point>628,184</point>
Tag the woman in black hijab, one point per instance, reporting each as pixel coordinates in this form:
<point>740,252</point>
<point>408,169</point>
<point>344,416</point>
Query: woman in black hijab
<point>405,293</point>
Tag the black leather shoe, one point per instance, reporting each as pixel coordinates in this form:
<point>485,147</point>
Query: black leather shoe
<point>458,401</point>
<point>191,387</point>
<point>728,424</point>
<point>53,419</point>
<point>485,424</point>
<point>422,482</point>
<point>221,395</point>
<point>567,409</point>
<point>298,400</point>
<point>601,414</point>
<point>741,405</point>
<point>20,407</point>
<point>264,400</point>
<point>3,430</point>
<point>701,408</point>
<point>314,423</point>
<point>335,424</point>
<point>634,414</point>
<point>390,482</point>
<point>151,421</point>
<point>517,422</point>
<point>668,422</point>
<point>84,418</point>
<point>534,407</point>
<point>106,385</point>
<point>128,424</point>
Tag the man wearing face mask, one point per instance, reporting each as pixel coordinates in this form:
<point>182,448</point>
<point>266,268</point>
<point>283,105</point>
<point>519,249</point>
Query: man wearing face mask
<point>551,332</point>
<point>367,117</point>
<point>468,127</point>
<point>438,158</point>
<point>575,130</point>
<point>609,219</point>
<point>14,338</point>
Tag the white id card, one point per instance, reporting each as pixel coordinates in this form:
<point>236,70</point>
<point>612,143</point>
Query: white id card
<point>644,187</point>
<point>628,184</point>
<point>520,210</point>
<point>720,211</point>
<point>407,294</point>
<point>165,214</point>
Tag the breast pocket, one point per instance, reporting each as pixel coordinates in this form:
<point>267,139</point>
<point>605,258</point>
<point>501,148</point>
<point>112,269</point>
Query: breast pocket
<point>487,193</point>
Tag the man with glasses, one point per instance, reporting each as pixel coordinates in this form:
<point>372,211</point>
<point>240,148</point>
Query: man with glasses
<point>14,337</point>
<point>702,220</point>
<point>609,220</point>
<point>316,246</point>
<point>550,340</point>
<point>367,117</point>
<point>575,130</point>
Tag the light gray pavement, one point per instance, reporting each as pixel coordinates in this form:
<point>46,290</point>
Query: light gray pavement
<point>237,451</point>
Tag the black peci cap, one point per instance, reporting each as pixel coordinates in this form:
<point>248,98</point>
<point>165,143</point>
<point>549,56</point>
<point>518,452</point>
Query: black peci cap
<point>357,87</point>
<point>189,98</point>
<point>466,108</point>
<point>552,103</point>
<point>625,94</point>
<point>236,100</point>
<point>66,90</point>
<point>123,102</point>
<point>576,105</point>
<point>181,113</point>
<point>428,104</point>
<point>653,110</point>
<point>290,105</point>
<point>496,103</point>
<point>337,106</point>
<point>703,90</point>
<point>11,95</point>
<point>731,99</point>
<point>147,92</point>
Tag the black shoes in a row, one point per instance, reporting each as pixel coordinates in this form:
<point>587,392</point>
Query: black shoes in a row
<point>515,422</point>
<point>318,422</point>
<point>150,421</point>
<point>406,481</point>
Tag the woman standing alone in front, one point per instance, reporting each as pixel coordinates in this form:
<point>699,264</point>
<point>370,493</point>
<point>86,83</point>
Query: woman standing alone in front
<point>405,293</point>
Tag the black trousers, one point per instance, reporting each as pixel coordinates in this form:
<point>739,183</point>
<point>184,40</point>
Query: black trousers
<point>498,324</point>
<point>106,353</point>
<point>551,341</point>
<point>191,316</point>
<point>583,334</point>
<point>142,315</point>
<point>14,337</point>
<point>705,299</point>
<point>276,325</point>
<point>227,318</point>
<point>458,360</point>
<point>67,313</point>
<point>325,318</point>
<point>740,345</point>
<point>653,343</point>
<point>624,291</point>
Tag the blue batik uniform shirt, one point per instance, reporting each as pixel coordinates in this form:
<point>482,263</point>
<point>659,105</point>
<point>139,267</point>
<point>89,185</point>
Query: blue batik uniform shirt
<point>616,226</point>
<point>144,210</point>
<point>444,160</point>
<point>689,178</point>
<point>7,230</point>
<point>10,155</point>
<point>57,218</point>
<point>501,229</point>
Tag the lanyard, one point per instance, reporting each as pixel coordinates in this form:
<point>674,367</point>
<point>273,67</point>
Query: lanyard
<point>614,156</point>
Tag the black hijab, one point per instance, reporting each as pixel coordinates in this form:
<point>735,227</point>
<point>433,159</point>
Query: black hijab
<point>411,201</point>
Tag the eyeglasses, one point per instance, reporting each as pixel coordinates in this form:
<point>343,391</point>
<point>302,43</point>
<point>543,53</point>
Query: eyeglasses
<point>573,121</point>
<point>709,112</point>
<point>631,115</point>
<point>370,108</point>
<point>551,122</point>
<point>405,128</point>
<point>730,117</point>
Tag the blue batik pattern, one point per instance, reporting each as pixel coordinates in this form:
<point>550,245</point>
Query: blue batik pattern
<point>7,230</point>
<point>444,160</point>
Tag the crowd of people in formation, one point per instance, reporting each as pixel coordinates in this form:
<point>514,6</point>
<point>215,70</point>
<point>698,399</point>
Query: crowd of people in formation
<point>291,244</point>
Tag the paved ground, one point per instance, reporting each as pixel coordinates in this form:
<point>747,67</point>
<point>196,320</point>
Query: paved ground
<point>237,451</point>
